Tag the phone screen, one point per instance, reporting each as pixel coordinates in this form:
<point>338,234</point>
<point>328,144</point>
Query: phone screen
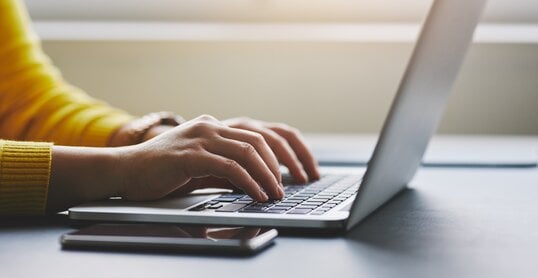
<point>169,236</point>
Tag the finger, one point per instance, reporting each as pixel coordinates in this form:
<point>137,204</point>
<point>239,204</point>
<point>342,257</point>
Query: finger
<point>224,233</point>
<point>250,159</point>
<point>300,147</point>
<point>283,152</point>
<point>258,142</point>
<point>207,118</point>
<point>205,164</point>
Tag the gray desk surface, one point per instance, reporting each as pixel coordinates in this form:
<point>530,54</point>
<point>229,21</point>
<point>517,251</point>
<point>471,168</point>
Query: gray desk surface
<point>443,150</point>
<point>449,223</point>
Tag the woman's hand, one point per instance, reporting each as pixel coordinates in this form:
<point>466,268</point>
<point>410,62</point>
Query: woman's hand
<point>286,142</point>
<point>237,153</point>
<point>201,150</point>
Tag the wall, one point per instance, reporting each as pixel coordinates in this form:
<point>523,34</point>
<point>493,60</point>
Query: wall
<point>328,84</point>
<point>322,87</point>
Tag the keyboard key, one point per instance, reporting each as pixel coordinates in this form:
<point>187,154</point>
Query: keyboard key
<point>319,199</point>
<point>293,198</point>
<point>317,212</point>
<point>306,207</point>
<point>260,205</point>
<point>329,206</point>
<point>308,193</point>
<point>328,194</point>
<point>284,205</point>
<point>215,206</point>
<point>253,209</point>
<point>312,203</point>
<point>299,211</point>
<point>276,210</point>
<point>224,199</point>
<point>291,202</point>
<point>231,207</point>
<point>199,207</point>
<point>235,195</point>
<point>289,186</point>
<point>241,202</point>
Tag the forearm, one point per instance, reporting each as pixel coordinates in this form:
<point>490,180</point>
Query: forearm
<point>81,174</point>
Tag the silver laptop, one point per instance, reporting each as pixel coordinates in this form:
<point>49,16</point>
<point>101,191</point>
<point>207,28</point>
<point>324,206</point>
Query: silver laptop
<point>339,201</point>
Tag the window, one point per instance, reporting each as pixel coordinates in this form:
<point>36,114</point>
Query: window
<point>276,20</point>
<point>501,11</point>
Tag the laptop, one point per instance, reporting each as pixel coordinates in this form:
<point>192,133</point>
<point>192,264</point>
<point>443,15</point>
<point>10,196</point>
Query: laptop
<point>339,201</point>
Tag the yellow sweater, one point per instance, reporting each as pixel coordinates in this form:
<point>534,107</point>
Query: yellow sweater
<point>36,104</point>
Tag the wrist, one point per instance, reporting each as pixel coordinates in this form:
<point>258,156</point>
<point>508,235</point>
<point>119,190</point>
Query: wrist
<point>80,174</point>
<point>125,167</point>
<point>144,128</point>
<point>156,130</point>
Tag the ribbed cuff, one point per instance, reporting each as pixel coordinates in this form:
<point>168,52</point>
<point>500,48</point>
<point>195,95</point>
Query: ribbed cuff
<point>24,177</point>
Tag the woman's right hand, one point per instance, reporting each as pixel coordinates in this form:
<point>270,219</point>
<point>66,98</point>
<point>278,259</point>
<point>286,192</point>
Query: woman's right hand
<point>202,149</point>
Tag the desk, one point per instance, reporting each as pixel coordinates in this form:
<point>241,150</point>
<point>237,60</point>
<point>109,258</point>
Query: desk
<point>442,151</point>
<point>449,223</point>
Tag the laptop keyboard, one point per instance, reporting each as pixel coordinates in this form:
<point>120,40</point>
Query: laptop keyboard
<point>315,198</point>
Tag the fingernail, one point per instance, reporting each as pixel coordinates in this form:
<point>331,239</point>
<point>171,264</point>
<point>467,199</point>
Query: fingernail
<point>263,196</point>
<point>305,176</point>
<point>281,190</point>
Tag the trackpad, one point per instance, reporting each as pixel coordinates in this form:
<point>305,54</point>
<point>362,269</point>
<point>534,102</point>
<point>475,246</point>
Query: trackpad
<point>173,203</point>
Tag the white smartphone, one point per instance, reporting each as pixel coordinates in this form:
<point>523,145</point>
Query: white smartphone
<point>168,237</point>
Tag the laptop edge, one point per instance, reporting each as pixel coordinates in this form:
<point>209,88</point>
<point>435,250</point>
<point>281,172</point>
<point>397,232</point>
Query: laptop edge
<point>419,103</point>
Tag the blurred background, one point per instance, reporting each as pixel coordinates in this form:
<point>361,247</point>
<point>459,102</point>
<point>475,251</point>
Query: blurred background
<point>322,66</point>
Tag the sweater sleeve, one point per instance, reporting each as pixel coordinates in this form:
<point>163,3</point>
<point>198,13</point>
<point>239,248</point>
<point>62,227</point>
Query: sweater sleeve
<point>36,104</point>
<point>24,177</point>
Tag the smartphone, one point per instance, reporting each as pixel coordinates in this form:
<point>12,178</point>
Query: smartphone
<point>168,237</point>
